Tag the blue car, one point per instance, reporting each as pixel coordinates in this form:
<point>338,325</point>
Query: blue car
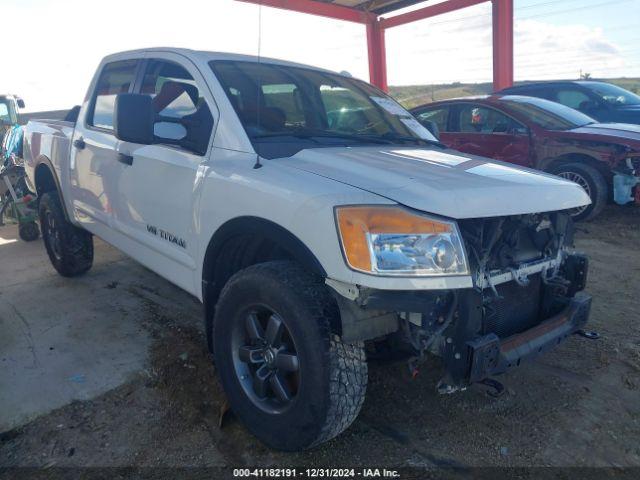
<point>603,101</point>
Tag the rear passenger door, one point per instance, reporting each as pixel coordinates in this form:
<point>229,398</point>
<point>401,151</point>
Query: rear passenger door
<point>93,151</point>
<point>482,130</point>
<point>157,185</point>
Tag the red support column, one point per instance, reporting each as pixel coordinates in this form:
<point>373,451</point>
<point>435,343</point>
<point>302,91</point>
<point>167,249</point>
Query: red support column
<point>502,44</point>
<point>428,12</point>
<point>377,55</point>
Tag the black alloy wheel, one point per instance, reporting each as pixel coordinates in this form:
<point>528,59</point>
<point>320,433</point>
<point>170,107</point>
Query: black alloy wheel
<point>266,360</point>
<point>51,232</point>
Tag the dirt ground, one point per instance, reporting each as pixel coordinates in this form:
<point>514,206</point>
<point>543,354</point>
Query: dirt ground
<point>577,406</point>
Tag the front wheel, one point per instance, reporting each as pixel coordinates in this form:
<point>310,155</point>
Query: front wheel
<point>70,248</point>
<point>593,183</point>
<point>291,381</point>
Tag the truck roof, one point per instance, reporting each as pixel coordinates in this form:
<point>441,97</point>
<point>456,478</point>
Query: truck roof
<point>207,56</point>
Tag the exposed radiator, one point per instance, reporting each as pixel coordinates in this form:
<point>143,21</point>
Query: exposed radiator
<point>517,310</point>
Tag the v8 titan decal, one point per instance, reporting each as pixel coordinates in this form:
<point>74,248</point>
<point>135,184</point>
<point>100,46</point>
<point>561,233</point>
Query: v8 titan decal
<point>169,237</point>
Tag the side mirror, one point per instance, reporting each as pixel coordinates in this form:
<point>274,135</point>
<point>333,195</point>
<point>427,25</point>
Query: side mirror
<point>136,121</point>
<point>134,118</point>
<point>20,103</point>
<point>432,127</point>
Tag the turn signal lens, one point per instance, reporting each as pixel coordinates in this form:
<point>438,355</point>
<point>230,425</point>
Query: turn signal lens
<point>393,241</point>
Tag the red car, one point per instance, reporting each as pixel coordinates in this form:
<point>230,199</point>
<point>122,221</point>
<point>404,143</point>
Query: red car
<point>544,135</point>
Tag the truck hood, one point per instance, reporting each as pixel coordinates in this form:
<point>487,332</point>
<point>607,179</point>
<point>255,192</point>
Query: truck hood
<point>446,183</point>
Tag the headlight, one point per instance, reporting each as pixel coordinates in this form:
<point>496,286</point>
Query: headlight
<point>393,241</point>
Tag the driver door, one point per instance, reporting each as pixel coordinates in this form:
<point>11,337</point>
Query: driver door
<point>156,184</point>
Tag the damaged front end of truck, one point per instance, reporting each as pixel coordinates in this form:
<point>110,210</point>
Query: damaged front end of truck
<point>527,297</point>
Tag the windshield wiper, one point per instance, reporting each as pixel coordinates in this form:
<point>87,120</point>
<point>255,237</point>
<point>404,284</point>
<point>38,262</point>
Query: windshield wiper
<point>386,138</point>
<point>310,134</point>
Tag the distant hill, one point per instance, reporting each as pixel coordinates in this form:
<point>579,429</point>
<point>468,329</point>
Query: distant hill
<point>414,95</point>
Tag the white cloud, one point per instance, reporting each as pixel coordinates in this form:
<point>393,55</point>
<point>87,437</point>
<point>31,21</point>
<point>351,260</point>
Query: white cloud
<point>458,47</point>
<point>545,51</point>
<point>60,44</point>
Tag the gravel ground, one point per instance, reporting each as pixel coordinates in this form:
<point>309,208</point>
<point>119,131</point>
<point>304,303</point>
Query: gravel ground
<point>577,406</point>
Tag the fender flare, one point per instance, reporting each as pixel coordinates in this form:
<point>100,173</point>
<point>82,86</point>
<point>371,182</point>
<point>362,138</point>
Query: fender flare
<point>248,225</point>
<point>43,160</point>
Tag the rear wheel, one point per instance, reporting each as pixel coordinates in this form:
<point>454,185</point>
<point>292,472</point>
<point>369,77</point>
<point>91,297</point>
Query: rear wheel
<point>292,382</point>
<point>593,183</point>
<point>70,248</point>
<point>29,231</point>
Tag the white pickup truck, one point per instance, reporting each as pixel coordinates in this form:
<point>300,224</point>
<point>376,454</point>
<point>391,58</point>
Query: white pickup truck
<point>310,213</point>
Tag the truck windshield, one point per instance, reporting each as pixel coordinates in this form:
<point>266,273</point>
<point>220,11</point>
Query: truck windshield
<point>546,114</point>
<point>299,107</point>
<point>613,94</point>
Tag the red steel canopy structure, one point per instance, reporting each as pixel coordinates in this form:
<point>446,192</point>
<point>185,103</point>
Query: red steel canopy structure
<point>369,13</point>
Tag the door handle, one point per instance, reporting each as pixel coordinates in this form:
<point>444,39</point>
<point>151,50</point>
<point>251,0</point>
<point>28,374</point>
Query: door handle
<point>125,159</point>
<point>79,143</point>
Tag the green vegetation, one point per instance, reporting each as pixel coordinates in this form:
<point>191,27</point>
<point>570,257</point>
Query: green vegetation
<point>414,95</point>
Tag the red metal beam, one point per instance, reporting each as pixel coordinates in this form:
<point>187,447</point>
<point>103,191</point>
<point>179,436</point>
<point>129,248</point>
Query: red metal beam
<point>502,30</point>
<point>318,8</point>
<point>377,55</point>
<point>502,44</point>
<point>427,12</point>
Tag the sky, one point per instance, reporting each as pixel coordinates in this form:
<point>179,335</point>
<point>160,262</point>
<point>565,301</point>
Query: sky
<point>56,45</point>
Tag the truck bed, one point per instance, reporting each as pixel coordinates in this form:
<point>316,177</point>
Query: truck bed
<point>48,140</point>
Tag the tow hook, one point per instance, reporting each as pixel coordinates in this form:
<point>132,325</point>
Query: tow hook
<point>495,388</point>
<point>590,334</point>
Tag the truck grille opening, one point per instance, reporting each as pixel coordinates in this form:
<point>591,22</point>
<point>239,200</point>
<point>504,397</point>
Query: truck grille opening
<point>517,309</point>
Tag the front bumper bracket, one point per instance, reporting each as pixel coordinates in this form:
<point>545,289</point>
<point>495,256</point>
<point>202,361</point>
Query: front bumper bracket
<point>490,355</point>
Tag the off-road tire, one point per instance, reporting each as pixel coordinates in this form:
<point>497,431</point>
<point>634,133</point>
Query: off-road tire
<point>598,190</point>
<point>29,231</point>
<point>333,374</point>
<point>73,254</point>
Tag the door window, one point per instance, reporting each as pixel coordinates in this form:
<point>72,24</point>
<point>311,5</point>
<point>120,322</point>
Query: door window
<point>437,115</point>
<point>572,98</point>
<point>176,97</point>
<point>480,119</point>
<point>116,77</point>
